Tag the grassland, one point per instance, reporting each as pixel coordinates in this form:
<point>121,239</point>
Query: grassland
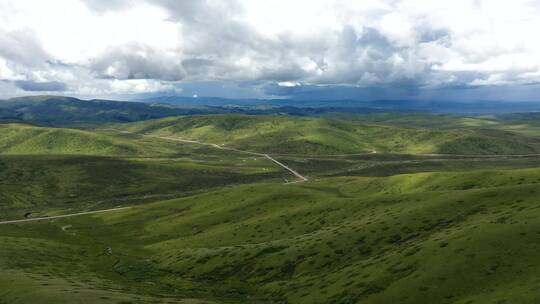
<point>24,139</point>
<point>417,238</point>
<point>294,135</point>
<point>73,183</point>
<point>521,123</point>
<point>62,169</point>
<point>206,225</point>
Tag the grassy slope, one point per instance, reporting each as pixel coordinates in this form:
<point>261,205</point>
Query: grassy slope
<point>422,120</point>
<point>25,139</point>
<point>417,238</point>
<point>44,169</point>
<point>502,128</point>
<point>392,164</point>
<point>64,111</point>
<point>284,134</point>
<point>460,237</point>
<point>269,133</point>
<point>41,184</point>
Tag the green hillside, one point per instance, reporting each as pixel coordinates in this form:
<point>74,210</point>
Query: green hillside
<point>24,139</point>
<point>63,169</point>
<point>286,134</point>
<point>62,183</point>
<point>419,238</point>
<point>68,111</point>
<point>444,212</point>
<point>527,124</point>
<point>422,120</point>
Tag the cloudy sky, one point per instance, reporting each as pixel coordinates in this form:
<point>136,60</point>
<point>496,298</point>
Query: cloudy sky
<point>369,49</point>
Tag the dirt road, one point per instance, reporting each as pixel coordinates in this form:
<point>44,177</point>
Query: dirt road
<point>294,172</point>
<point>48,218</point>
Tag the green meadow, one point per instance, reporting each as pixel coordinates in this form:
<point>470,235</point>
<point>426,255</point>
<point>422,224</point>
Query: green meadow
<point>328,135</point>
<point>398,208</point>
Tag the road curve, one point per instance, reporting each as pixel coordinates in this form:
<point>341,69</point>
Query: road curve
<point>37,219</point>
<point>294,172</point>
<point>301,177</point>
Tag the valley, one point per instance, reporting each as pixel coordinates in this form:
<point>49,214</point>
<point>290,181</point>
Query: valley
<point>232,208</point>
<point>269,152</point>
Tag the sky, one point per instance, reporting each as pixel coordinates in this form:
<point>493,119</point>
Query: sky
<point>308,49</point>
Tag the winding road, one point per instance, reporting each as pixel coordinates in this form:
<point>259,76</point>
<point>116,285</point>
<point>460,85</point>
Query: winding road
<point>294,172</point>
<point>300,177</point>
<point>48,218</point>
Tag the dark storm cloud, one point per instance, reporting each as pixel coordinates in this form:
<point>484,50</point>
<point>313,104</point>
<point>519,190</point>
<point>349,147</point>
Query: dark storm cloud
<point>32,86</point>
<point>340,92</point>
<point>524,93</point>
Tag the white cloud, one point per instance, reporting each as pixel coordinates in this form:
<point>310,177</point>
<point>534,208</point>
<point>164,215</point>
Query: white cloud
<point>289,84</point>
<point>69,31</point>
<point>137,46</point>
<point>7,73</point>
<point>140,86</point>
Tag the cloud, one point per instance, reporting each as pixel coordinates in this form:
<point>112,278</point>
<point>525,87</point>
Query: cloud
<point>103,6</point>
<point>373,46</point>
<point>137,61</point>
<point>288,84</point>
<point>135,86</point>
<point>22,47</point>
<point>50,86</point>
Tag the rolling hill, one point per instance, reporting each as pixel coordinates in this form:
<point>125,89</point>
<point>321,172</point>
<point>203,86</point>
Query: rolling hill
<point>311,135</point>
<point>463,237</point>
<point>68,111</point>
<point>205,225</point>
<point>45,168</point>
<point>25,139</point>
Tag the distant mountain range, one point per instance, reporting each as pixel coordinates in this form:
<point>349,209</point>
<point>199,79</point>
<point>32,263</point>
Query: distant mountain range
<point>59,110</point>
<point>461,107</point>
